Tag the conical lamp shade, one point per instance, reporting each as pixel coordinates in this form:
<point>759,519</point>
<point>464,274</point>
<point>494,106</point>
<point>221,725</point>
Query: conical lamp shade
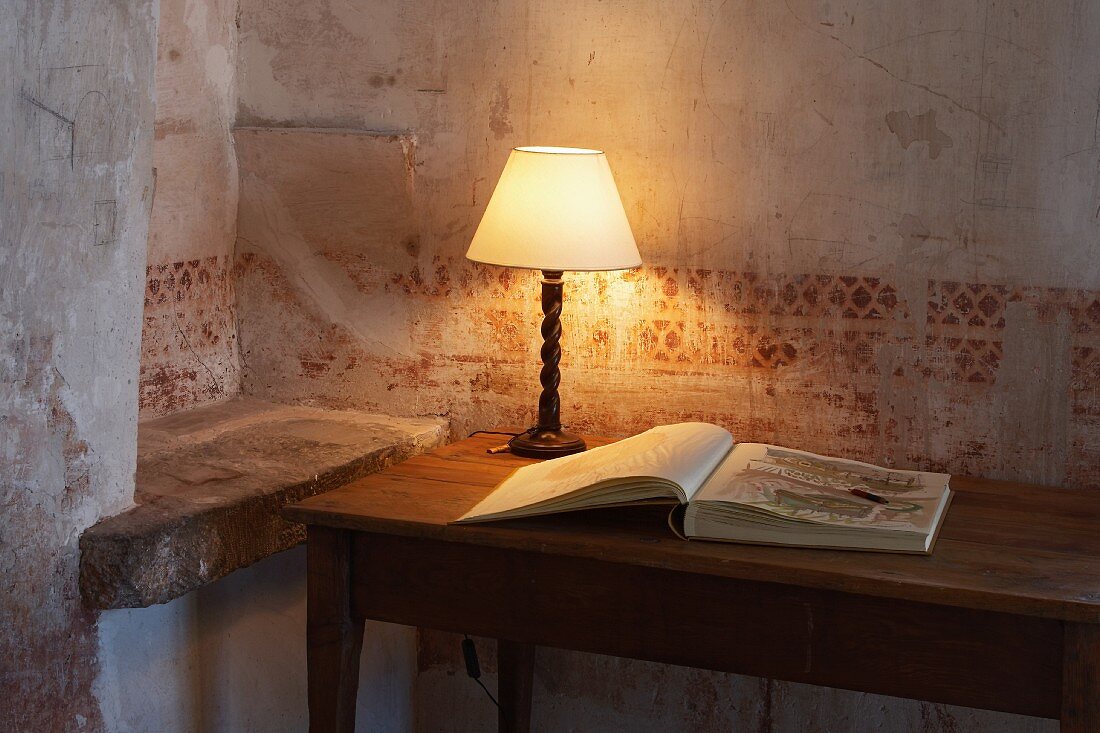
<point>555,209</point>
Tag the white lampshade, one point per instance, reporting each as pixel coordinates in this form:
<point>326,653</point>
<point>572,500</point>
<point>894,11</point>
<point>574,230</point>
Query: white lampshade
<point>555,209</point>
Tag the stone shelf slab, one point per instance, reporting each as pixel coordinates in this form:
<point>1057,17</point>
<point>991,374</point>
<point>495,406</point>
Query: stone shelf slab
<point>211,481</point>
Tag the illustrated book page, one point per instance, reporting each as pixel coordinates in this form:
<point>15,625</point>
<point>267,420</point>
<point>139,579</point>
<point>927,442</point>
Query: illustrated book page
<point>767,493</point>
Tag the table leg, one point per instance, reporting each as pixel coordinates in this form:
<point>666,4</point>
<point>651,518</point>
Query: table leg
<point>1081,678</point>
<point>515,669</point>
<point>334,638</point>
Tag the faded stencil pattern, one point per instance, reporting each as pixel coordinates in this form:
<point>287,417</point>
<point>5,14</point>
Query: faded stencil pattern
<point>868,229</point>
<point>189,352</point>
<point>189,336</point>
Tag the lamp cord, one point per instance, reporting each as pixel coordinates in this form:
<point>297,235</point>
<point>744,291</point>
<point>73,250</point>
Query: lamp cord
<point>497,432</point>
<point>528,431</point>
<point>482,685</point>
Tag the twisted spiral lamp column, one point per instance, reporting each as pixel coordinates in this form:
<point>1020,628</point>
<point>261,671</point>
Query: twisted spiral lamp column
<point>547,439</point>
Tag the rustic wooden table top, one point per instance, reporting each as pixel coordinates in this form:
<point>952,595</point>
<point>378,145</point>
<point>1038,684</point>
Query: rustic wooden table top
<point>1009,547</point>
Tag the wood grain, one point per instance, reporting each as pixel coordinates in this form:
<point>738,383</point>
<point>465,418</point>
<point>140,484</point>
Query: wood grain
<point>1004,546</point>
<point>334,636</point>
<point>769,629</point>
<point>1081,679</point>
<point>515,675</point>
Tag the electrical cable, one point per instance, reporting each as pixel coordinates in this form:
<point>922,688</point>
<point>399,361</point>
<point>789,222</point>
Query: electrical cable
<point>495,432</point>
<point>488,693</point>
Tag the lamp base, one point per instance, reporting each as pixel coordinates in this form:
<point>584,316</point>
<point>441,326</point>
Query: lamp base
<point>541,443</point>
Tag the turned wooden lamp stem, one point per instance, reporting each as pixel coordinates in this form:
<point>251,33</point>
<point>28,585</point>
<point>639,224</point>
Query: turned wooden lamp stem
<point>547,439</point>
<point>550,376</point>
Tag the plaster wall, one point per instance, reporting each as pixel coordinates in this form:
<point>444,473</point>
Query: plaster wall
<point>231,657</point>
<point>150,672</point>
<point>76,184</point>
<point>189,352</point>
<point>815,275</point>
<point>868,229</point>
<point>253,649</point>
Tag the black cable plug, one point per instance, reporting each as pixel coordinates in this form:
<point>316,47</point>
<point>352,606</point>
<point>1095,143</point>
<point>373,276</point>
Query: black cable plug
<point>469,654</point>
<point>473,668</point>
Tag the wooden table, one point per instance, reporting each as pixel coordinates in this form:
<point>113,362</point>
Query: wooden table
<point>1005,614</point>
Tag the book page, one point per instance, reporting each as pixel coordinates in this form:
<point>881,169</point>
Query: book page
<point>798,486</point>
<point>683,454</point>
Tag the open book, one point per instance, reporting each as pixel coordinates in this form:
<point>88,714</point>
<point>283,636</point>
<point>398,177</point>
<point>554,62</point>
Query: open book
<point>748,492</point>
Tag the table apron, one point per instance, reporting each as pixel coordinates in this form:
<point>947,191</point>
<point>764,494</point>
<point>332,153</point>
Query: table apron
<point>960,656</point>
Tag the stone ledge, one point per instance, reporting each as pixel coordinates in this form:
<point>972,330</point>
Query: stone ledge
<point>211,482</point>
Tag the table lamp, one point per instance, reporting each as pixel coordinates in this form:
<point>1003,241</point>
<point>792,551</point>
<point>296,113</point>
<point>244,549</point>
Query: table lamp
<point>554,209</point>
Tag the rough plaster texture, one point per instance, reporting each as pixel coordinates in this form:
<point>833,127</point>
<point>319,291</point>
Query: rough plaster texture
<point>868,228</point>
<point>76,183</point>
<point>189,350</point>
<point>231,657</point>
<point>253,623</point>
<point>150,672</point>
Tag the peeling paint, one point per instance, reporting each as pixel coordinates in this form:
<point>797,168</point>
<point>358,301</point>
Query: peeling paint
<point>921,128</point>
<point>189,339</point>
<point>498,113</point>
<point>189,352</point>
<point>75,171</point>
